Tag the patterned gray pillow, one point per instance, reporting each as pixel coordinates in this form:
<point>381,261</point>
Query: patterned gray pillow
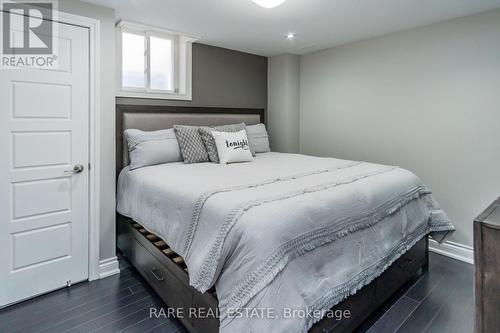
<point>192,147</point>
<point>209,141</point>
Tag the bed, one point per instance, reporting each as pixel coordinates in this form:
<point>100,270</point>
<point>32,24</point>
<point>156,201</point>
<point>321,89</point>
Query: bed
<point>286,243</point>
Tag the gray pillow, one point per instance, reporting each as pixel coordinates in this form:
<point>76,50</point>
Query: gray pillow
<point>258,138</point>
<point>209,141</point>
<point>192,147</point>
<point>152,147</point>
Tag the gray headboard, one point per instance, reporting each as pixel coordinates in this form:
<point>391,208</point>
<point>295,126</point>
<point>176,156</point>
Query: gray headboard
<point>150,118</point>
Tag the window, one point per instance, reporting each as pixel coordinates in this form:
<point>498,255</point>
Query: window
<point>133,64</point>
<point>161,64</point>
<point>153,63</point>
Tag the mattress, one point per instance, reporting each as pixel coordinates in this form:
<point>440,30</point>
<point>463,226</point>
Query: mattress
<point>285,232</point>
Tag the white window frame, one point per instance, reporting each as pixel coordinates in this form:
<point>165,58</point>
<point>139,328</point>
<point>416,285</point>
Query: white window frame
<point>182,56</point>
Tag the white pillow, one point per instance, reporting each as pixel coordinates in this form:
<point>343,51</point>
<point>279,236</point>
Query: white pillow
<point>258,138</point>
<point>150,148</point>
<point>232,147</point>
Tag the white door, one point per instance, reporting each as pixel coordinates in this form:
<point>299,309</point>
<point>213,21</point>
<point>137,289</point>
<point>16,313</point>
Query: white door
<point>44,134</point>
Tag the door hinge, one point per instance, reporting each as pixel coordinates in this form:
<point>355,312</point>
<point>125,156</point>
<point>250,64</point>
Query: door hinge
<point>89,166</point>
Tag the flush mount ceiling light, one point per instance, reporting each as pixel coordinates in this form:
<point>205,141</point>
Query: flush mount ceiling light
<point>269,3</point>
<point>290,35</point>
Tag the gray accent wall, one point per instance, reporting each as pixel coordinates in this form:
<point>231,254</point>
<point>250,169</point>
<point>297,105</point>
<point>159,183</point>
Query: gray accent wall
<point>221,78</point>
<point>283,103</point>
<point>426,99</point>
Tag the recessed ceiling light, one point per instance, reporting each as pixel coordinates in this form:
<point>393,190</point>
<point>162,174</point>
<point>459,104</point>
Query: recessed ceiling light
<point>290,35</point>
<point>269,3</point>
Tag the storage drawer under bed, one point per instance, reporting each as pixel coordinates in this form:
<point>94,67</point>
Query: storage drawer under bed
<point>163,281</point>
<point>167,274</point>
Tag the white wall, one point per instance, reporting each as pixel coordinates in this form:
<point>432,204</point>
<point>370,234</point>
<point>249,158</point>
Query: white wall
<point>426,99</point>
<point>283,102</point>
<point>107,118</point>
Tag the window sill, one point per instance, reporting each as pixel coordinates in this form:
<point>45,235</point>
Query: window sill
<point>182,97</point>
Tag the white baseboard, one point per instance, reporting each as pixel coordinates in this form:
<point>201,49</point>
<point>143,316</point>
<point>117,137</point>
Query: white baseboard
<point>108,267</point>
<point>453,250</point>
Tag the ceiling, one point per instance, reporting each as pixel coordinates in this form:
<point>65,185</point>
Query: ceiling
<point>318,24</point>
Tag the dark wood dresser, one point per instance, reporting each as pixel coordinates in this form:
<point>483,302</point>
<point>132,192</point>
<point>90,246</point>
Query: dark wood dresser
<point>487,261</point>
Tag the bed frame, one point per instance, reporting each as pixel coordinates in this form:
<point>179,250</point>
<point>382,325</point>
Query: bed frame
<point>166,271</point>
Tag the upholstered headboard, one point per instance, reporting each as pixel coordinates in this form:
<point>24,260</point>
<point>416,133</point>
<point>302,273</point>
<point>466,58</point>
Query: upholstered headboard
<point>151,118</point>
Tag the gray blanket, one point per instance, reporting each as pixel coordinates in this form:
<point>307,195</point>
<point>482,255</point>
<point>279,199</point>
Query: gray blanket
<point>286,237</point>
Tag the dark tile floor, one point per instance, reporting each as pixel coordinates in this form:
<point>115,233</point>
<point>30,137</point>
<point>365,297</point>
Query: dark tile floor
<point>440,301</point>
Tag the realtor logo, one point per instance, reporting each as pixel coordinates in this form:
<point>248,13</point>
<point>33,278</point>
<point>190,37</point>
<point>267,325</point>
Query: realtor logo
<point>28,34</point>
<point>27,28</point>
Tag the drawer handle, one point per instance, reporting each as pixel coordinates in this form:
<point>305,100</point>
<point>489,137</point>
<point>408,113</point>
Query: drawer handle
<point>158,277</point>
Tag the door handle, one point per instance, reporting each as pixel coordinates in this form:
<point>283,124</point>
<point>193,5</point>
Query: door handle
<point>76,169</point>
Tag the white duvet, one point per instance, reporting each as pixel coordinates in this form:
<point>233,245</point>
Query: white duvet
<point>285,235</point>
